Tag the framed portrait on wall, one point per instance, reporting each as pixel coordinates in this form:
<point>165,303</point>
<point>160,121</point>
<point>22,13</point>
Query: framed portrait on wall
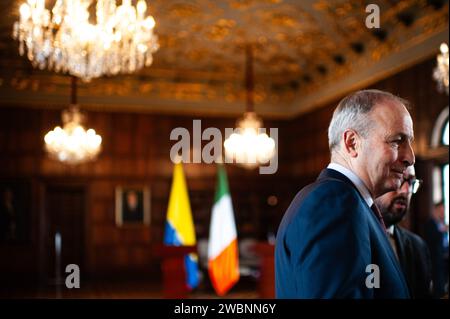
<point>132,205</point>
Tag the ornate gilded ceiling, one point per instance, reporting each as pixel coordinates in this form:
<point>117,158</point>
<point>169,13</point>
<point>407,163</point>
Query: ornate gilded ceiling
<point>304,52</point>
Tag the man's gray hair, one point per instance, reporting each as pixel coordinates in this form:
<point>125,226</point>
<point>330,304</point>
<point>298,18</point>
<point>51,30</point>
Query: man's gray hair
<point>353,111</point>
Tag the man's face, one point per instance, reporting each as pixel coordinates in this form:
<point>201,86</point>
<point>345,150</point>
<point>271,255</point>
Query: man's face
<point>394,205</point>
<point>386,152</point>
<point>132,200</point>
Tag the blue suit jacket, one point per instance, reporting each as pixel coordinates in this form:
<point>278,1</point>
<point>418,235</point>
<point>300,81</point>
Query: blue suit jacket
<point>325,241</point>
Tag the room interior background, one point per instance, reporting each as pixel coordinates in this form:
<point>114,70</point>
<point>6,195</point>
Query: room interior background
<point>135,114</point>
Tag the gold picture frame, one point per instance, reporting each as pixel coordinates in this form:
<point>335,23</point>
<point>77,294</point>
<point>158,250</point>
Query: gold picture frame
<point>132,205</point>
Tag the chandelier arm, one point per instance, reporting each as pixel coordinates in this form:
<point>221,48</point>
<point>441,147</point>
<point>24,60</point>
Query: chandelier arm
<point>73,90</point>
<point>249,146</point>
<point>249,81</point>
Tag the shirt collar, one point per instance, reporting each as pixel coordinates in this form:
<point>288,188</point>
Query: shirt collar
<point>359,184</point>
<point>390,230</point>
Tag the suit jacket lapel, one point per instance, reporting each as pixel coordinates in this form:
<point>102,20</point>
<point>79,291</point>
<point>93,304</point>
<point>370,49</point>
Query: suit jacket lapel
<point>333,174</point>
<point>399,240</point>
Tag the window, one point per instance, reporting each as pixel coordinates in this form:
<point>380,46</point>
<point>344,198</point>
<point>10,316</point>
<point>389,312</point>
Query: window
<point>441,178</point>
<point>445,134</point>
<point>445,177</point>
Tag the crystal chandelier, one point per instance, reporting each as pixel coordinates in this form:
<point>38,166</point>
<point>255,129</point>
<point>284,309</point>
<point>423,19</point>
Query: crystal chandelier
<point>72,144</point>
<point>440,73</point>
<point>250,146</point>
<point>64,40</point>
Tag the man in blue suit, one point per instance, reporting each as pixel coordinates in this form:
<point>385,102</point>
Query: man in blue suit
<point>332,241</point>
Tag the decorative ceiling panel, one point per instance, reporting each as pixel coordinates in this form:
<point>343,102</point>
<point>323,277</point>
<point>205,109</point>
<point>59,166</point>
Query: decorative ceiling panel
<point>301,49</point>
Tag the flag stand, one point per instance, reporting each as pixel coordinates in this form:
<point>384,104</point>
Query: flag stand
<point>267,276</point>
<point>173,269</point>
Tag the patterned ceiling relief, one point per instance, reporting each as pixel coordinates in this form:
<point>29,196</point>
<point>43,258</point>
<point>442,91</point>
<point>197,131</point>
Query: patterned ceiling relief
<point>300,49</point>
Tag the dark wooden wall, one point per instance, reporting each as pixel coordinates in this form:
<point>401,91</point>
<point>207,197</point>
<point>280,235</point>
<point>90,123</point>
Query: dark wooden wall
<point>136,152</point>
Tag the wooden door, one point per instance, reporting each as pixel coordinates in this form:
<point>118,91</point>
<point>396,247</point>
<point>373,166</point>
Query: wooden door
<point>65,211</point>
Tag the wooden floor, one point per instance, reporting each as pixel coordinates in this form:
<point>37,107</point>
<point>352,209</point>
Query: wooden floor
<point>119,290</point>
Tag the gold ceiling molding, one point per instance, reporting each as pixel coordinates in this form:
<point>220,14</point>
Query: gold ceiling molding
<point>180,11</point>
<point>301,49</point>
<point>220,30</point>
<point>405,56</point>
<point>278,19</point>
<point>134,90</point>
<point>247,4</point>
<point>292,18</point>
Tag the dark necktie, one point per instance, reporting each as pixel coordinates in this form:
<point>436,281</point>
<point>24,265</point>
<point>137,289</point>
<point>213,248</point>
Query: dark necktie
<point>377,213</point>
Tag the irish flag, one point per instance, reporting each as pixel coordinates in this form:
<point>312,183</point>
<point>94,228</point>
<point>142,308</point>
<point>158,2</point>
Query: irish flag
<point>223,257</point>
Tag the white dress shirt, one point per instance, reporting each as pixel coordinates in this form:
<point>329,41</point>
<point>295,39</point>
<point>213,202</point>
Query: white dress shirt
<point>360,186</point>
<point>390,232</point>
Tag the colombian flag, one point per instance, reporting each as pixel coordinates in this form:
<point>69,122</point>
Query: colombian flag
<point>223,257</point>
<point>179,229</point>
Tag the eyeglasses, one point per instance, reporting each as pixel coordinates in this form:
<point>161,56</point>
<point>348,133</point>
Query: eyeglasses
<point>413,183</point>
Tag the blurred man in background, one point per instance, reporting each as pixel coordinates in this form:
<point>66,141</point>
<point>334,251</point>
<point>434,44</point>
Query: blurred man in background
<point>411,250</point>
<point>436,237</point>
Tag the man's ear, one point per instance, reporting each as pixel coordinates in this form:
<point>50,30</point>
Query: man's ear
<point>351,142</point>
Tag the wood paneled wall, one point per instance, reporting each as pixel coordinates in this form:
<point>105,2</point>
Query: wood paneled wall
<point>136,152</point>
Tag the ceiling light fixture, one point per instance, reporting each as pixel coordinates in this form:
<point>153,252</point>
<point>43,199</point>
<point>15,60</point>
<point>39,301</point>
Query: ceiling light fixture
<point>250,146</point>
<point>64,40</point>
<point>440,73</point>
<point>72,144</point>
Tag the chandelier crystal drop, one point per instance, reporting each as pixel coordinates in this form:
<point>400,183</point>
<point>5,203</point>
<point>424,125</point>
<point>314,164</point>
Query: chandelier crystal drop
<point>64,40</point>
<point>440,73</point>
<point>72,144</point>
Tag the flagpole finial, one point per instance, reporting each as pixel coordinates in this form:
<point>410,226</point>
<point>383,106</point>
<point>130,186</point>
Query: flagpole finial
<point>219,159</point>
<point>177,159</point>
